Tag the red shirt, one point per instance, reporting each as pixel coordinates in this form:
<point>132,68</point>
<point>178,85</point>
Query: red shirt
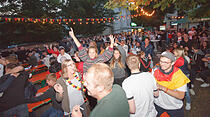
<point>51,51</point>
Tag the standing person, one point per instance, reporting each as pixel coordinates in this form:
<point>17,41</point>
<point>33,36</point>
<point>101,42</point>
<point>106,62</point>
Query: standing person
<point>196,65</point>
<point>186,43</point>
<point>79,63</point>
<point>124,45</point>
<point>70,88</point>
<point>90,56</point>
<point>178,37</point>
<point>172,85</point>
<point>52,49</point>
<point>117,64</point>
<point>182,64</point>
<point>145,63</point>
<point>147,47</point>
<point>205,73</point>
<point>63,54</point>
<point>140,89</point>
<point>204,47</point>
<point>111,98</point>
<point>55,110</point>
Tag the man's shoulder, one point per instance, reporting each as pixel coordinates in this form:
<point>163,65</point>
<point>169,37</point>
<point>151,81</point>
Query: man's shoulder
<point>60,81</point>
<point>136,77</point>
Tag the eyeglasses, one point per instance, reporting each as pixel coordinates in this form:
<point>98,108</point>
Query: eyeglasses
<point>71,65</point>
<point>165,62</point>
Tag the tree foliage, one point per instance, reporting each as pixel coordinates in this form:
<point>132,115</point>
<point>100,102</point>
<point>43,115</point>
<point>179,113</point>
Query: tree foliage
<point>192,8</point>
<point>154,20</point>
<point>19,32</point>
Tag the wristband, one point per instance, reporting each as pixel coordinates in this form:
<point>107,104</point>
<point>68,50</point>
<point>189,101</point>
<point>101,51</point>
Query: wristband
<point>166,90</point>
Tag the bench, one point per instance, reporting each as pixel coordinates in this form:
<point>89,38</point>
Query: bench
<point>38,77</point>
<point>35,105</point>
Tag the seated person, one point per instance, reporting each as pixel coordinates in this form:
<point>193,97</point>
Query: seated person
<point>55,110</point>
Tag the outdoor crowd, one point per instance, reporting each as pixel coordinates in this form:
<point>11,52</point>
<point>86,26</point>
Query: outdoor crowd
<point>115,71</point>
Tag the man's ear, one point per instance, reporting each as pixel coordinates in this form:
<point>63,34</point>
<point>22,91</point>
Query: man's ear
<point>100,88</point>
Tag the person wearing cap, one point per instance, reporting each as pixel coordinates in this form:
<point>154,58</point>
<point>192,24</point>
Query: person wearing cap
<point>63,55</point>
<point>172,85</point>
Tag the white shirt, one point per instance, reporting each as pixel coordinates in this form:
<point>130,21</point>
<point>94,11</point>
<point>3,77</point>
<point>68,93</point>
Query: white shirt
<point>140,86</point>
<point>65,55</point>
<point>191,33</point>
<point>179,39</point>
<point>75,96</point>
<point>1,70</point>
<point>46,60</point>
<point>169,102</point>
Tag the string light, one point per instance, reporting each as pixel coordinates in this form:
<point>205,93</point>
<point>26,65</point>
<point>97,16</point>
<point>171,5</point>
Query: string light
<point>146,13</point>
<point>80,21</point>
<point>177,17</point>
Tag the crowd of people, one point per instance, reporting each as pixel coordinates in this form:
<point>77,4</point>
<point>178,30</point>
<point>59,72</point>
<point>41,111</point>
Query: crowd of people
<point>115,71</point>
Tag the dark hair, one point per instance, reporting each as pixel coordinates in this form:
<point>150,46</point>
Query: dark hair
<point>52,59</point>
<point>54,67</point>
<point>195,46</point>
<point>55,46</point>
<point>11,65</point>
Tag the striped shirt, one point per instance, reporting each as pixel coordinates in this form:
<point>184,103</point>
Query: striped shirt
<point>88,62</point>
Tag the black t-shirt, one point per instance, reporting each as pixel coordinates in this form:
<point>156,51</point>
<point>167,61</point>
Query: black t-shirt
<point>186,44</point>
<point>21,55</point>
<point>14,94</point>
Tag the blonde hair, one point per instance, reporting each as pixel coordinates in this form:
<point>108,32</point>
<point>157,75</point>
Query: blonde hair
<point>51,76</point>
<point>113,60</point>
<point>96,50</point>
<point>133,62</point>
<point>93,43</point>
<point>103,75</point>
<point>180,52</point>
<point>64,66</point>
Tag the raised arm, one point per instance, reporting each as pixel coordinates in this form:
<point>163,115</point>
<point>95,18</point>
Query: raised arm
<point>76,41</point>
<point>107,53</point>
<point>111,37</point>
<point>59,92</point>
<point>122,52</point>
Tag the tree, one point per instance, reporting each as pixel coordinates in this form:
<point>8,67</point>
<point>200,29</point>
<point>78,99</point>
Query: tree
<point>190,7</point>
<point>24,32</point>
<point>152,21</point>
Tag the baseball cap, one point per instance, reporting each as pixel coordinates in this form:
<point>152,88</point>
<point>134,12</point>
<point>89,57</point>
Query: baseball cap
<point>169,55</point>
<point>61,48</point>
